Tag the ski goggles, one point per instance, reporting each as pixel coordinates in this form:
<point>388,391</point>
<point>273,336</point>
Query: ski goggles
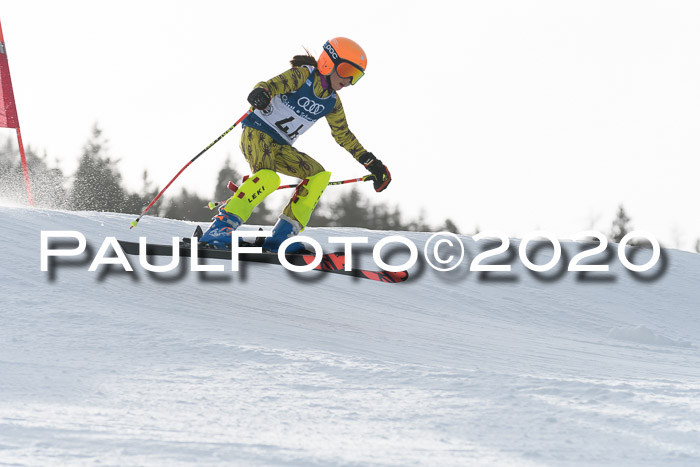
<point>345,68</point>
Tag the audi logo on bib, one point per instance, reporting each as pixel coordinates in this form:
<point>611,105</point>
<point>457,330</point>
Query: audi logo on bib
<point>310,106</point>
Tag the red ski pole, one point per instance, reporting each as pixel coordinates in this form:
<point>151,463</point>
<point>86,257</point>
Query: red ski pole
<point>136,222</point>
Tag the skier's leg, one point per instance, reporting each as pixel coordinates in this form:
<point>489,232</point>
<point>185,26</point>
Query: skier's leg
<point>297,212</point>
<point>306,197</point>
<point>240,206</point>
<point>258,149</point>
<point>251,193</point>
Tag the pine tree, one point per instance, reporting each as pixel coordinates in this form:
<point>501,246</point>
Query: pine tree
<point>97,183</point>
<point>350,210</point>
<point>136,202</point>
<point>382,217</point>
<point>11,177</point>
<point>419,225</point>
<point>47,183</point>
<point>228,173</point>
<point>188,206</point>
<point>449,226</point>
<point>620,225</point>
<point>322,215</point>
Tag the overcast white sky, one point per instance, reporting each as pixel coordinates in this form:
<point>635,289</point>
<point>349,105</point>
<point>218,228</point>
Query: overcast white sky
<point>507,115</point>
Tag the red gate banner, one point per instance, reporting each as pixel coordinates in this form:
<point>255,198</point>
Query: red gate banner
<point>8,111</point>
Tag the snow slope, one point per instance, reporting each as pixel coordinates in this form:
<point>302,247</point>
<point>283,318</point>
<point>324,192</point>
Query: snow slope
<point>269,367</point>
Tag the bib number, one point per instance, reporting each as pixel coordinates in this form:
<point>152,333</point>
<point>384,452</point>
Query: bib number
<point>284,127</point>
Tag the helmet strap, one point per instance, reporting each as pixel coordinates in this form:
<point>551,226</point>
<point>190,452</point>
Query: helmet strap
<point>325,82</point>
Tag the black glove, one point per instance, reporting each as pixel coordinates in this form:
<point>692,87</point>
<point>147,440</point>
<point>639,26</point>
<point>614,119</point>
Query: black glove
<point>259,98</point>
<point>382,177</point>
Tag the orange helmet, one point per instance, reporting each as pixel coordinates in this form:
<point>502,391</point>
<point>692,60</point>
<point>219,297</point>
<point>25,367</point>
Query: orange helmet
<point>345,57</point>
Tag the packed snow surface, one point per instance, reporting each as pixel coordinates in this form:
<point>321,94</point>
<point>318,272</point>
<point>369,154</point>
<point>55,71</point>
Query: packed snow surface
<point>268,367</point>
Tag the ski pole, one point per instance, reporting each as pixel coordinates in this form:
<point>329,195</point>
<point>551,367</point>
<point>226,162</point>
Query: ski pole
<point>136,222</point>
<point>233,187</point>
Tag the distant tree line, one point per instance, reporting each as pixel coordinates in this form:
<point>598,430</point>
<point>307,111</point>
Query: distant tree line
<point>97,185</point>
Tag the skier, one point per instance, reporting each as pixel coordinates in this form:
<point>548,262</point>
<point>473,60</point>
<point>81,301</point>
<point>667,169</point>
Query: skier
<point>284,108</point>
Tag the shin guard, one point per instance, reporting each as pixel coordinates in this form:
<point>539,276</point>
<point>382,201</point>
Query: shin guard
<point>252,192</point>
<point>306,197</point>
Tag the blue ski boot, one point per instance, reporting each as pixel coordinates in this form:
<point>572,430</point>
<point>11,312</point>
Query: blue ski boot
<point>283,230</point>
<point>219,232</point>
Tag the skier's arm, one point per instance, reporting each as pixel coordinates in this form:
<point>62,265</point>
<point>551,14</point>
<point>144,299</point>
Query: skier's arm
<point>289,81</point>
<point>343,136</point>
<point>341,132</point>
